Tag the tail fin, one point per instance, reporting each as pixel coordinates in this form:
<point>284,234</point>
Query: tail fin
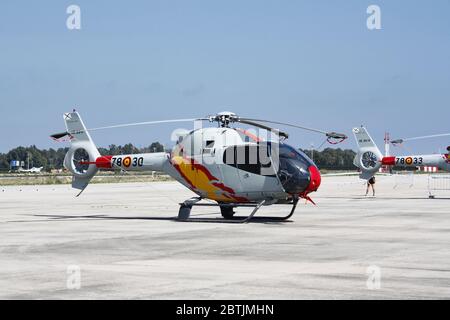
<point>369,157</point>
<point>81,142</point>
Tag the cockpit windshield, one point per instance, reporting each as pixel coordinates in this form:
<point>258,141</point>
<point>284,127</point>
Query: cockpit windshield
<point>293,170</point>
<point>288,152</point>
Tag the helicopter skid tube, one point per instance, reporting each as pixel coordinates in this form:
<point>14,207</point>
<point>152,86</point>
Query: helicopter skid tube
<point>186,207</point>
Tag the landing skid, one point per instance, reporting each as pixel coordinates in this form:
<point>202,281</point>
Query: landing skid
<point>186,207</point>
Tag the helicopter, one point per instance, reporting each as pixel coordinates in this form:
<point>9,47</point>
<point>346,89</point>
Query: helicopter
<point>229,165</point>
<point>369,158</point>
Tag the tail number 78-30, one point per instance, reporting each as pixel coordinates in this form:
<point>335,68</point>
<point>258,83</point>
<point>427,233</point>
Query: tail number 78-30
<point>127,161</point>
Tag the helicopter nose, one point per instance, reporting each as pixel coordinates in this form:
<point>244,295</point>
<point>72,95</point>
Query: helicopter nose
<point>315,179</point>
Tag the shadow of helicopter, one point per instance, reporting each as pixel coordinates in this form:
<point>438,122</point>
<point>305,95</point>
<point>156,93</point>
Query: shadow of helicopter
<point>384,198</point>
<point>235,219</point>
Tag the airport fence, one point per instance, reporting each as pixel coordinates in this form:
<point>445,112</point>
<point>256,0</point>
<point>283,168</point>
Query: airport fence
<point>403,179</point>
<point>438,183</point>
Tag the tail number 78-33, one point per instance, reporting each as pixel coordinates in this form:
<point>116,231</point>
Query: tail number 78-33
<point>409,161</point>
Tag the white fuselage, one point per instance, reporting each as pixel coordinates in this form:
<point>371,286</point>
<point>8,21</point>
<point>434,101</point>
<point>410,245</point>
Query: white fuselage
<point>442,161</point>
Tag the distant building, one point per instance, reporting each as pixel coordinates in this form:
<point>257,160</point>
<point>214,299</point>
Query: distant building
<point>16,164</point>
<point>429,169</point>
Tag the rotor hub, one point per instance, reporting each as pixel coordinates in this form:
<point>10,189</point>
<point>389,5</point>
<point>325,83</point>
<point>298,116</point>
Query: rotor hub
<point>224,118</point>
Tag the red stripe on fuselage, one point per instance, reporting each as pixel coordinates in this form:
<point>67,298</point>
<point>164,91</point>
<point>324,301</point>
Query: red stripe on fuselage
<point>250,135</point>
<point>220,185</point>
<point>388,161</point>
<point>204,170</point>
<point>103,162</point>
<point>229,192</point>
<point>177,167</point>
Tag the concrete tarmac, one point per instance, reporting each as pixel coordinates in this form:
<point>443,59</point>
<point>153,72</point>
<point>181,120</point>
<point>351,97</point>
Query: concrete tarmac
<point>120,241</point>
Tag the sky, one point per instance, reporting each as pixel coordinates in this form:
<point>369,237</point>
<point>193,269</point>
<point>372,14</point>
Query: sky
<point>312,63</point>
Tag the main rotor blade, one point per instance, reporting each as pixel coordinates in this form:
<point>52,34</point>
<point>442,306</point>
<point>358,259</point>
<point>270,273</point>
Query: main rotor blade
<point>334,135</point>
<point>399,141</point>
<point>146,123</point>
<point>259,125</point>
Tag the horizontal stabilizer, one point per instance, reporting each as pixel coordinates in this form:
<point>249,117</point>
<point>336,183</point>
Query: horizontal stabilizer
<point>61,135</point>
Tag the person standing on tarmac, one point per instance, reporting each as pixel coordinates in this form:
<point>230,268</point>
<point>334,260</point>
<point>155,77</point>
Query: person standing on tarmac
<point>371,184</point>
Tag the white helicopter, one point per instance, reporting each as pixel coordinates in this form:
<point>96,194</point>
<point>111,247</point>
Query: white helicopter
<point>370,159</point>
<point>226,164</point>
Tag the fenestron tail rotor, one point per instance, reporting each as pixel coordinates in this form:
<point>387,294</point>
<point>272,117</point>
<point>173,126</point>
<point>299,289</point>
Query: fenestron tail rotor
<point>369,160</point>
<point>80,157</point>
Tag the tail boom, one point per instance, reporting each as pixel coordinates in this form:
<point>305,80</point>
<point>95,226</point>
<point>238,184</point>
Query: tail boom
<point>131,162</point>
<point>413,161</point>
<point>83,170</point>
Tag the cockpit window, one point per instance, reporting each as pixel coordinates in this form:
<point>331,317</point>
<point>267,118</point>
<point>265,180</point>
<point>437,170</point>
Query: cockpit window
<point>255,158</point>
<point>289,152</point>
<point>251,158</point>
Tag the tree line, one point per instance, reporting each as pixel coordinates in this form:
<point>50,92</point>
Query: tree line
<point>333,159</point>
<point>329,158</point>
